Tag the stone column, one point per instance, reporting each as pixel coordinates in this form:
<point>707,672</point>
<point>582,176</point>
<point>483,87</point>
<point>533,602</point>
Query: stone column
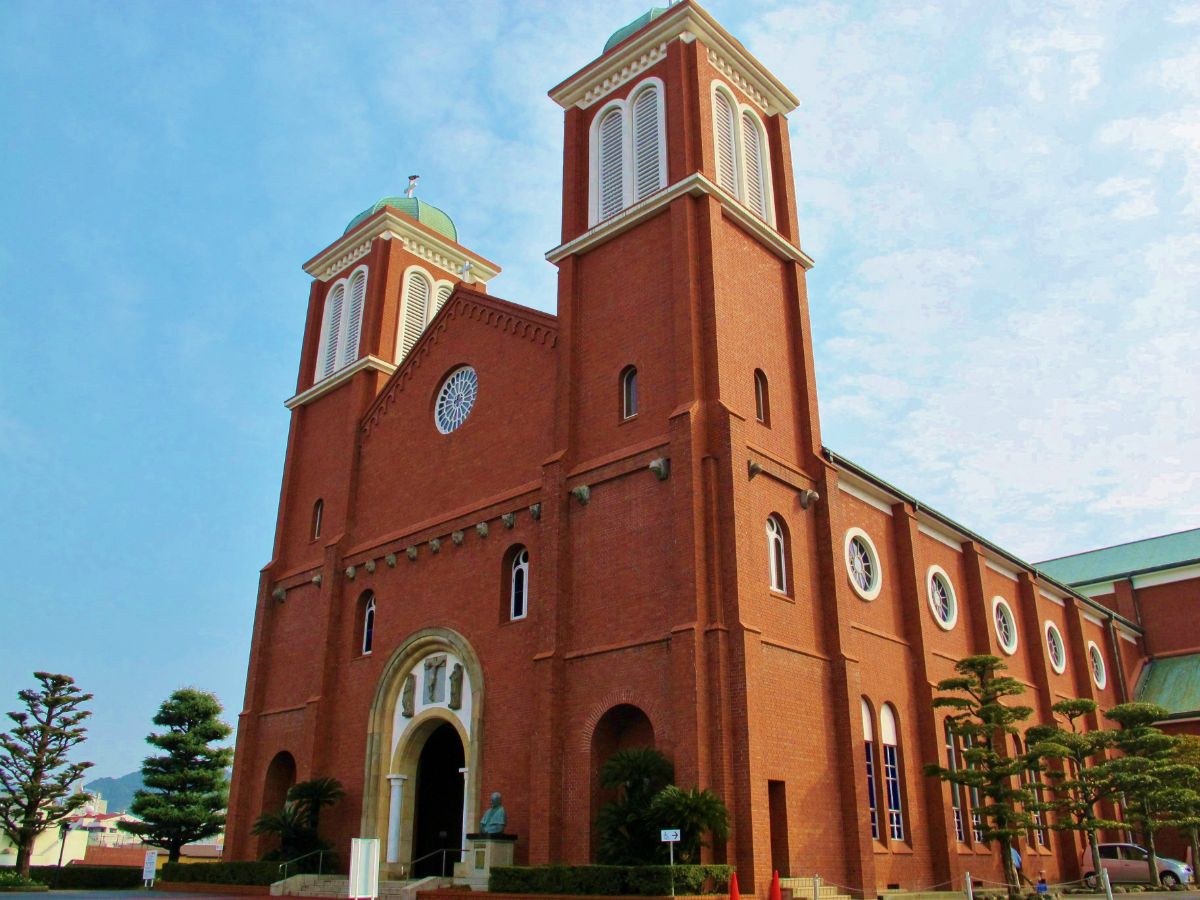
<point>395,809</point>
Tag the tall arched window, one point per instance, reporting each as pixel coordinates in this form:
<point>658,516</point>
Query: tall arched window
<point>629,392</point>
<point>647,152</point>
<point>891,771</point>
<point>628,151</point>
<point>742,160</point>
<point>762,399</point>
<point>725,126</point>
<point>518,596</point>
<point>611,160</point>
<point>341,324</point>
<point>317,514</point>
<point>416,311</point>
<point>368,622</point>
<point>443,294</point>
<point>777,550</point>
<point>955,789</point>
<point>868,723</point>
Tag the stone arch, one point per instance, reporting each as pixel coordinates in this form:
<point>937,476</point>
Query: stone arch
<point>395,751</point>
<point>278,779</point>
<point>619,726</point>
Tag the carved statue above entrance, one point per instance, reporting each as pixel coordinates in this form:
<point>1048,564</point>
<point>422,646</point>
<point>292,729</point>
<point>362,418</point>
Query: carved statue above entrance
<point>456,680</point>
<point>408,696</point>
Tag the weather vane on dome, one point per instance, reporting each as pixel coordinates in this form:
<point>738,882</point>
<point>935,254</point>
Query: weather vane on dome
<point>412,185</point>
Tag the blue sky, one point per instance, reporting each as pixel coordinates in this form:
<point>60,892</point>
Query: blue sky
<point>1002,200</point>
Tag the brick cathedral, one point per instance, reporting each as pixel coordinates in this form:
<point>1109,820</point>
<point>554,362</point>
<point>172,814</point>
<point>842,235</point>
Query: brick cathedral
<point>510,543</point>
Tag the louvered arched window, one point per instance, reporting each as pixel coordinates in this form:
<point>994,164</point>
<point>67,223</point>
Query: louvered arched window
<point>445,289</point>
<point>755,166</point>
<point>648,165</point>
<point>629,151</point>
<point>416,311</point>
<point>724,127</point>
<point>741,156</point>
<point>611,163</point>
<point>341,324</point>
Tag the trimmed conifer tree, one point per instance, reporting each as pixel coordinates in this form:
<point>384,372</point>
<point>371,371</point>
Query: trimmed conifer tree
<point>187,787</point>
<point>35,774</point>
<point>981,718</point>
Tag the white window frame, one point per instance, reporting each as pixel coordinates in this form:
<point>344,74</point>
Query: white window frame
<point>777,553</point>
<point>438,300</point>
<point>999,603</point>
<point>625,106</point>
<point>368,627</point>
<point>937,573</point>
<point>893,796</point>
<point>762,397</point>
<point>739,150</point>
<point>873,589</point>
<point>430,303</point>
<point>343,355</point>
<point>1049,628</point>
<point>629,398</point>
<point>520,564</point>
<point>872,776</point>
<point>1096,659</point>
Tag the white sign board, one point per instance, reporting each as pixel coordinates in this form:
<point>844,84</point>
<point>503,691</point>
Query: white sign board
<point>364,868</point>
<point>670,835</point>
<point>150,865</point>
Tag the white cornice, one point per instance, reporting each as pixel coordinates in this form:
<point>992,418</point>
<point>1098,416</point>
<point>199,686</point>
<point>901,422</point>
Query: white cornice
<point>1093,619</point>
<point>1098,589</point>
<point>685,22</point>
<point>1166,576</point>
<point>695,185</point>
<point>938,535</point>
<point>865,493</point>
<point>431,247</point>
<point>338,378</point>
<point>1010,574</point>
<point>1053,598</point>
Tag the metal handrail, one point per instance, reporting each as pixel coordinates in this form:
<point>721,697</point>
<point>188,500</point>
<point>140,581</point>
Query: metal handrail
<point>320,854</point>
<point>443,852</point>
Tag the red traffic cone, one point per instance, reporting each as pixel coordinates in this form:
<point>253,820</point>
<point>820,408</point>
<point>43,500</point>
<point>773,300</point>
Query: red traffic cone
<point>734,893</point>
<point>774,893</point>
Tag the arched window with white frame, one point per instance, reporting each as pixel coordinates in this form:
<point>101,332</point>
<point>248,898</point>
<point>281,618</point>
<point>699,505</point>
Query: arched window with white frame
<point>518,597</point>
<point>741,152</point>
<point>341,323</point>
<point>762,398</point>
<point>368,623</point>
<point>889,738</point>
<point>629,392</point>
<point>444,290</point>
<point>777,552</point>
<point>868,724</point>
<point>415,312</point>
<point>628,151</point>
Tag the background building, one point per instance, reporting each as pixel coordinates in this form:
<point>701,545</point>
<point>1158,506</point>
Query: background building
<point>511,543</point>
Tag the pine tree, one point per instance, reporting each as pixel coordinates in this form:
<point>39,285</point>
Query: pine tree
<point>188,785</point>
<point>1186,808</point>
<point>1147,772</point>
<point>1083,777</point>
<point>983,721</point>
<point>35,775</point>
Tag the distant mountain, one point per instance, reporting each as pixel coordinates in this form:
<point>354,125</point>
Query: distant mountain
<point>117,791</point>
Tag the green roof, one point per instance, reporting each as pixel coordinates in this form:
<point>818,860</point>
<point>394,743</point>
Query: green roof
<point>1123,560</point>
<point>644,19</point>
<point>423,212</point>
<point>1173,683</point>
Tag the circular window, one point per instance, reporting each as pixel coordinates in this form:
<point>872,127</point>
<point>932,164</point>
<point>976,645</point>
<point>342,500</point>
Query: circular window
<point>1055,648</point>
<point>1006,625</point>
<point>942,601</point>
<point>1099,675</point>
<point>455,399</point>
<point>862,563</point>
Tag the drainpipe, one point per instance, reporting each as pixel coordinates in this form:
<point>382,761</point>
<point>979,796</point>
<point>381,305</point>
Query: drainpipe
<point>1114,640</point>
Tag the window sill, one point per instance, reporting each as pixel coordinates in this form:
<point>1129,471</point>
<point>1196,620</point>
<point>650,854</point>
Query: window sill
<point>780,595</point>
<point>626,419</point>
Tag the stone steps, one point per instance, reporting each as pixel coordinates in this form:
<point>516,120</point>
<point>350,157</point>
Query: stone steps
<point>803,889</point>
<point>339,886</point>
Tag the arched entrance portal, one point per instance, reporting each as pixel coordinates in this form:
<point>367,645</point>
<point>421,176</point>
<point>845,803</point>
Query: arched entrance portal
<point>278,780</point>
<point>621,727</point>
<point>438,816</point>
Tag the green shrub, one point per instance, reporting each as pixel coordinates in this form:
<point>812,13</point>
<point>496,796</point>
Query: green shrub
<point>221,873</point>
<point>78,877</point>
<point>609,880</point>
<point>10,879</point>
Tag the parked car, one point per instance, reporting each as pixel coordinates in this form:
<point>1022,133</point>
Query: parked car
<point>1127,863</point>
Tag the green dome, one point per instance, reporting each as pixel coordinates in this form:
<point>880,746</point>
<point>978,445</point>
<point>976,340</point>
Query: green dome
<point>423,212</point>
<point>644,19</point>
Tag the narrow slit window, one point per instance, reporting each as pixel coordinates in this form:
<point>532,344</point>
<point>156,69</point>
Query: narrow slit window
<point>368,620</point>
<point>777,549</point>
<point>762,399</point>
<point>629,392</point>
<point>519,587</point>
<point>869,744</point>
<point>317,514</point>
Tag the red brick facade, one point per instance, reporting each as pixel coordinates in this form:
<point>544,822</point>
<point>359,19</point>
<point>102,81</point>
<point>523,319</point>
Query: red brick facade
<point>650,612</point>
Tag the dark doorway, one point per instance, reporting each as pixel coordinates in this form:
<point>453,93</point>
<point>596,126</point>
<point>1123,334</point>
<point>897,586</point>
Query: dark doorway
<point>438,822</point>
<point>777,810</point>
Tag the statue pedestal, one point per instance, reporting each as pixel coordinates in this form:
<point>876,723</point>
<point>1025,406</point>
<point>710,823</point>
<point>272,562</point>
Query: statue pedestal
<point>483,852</point>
